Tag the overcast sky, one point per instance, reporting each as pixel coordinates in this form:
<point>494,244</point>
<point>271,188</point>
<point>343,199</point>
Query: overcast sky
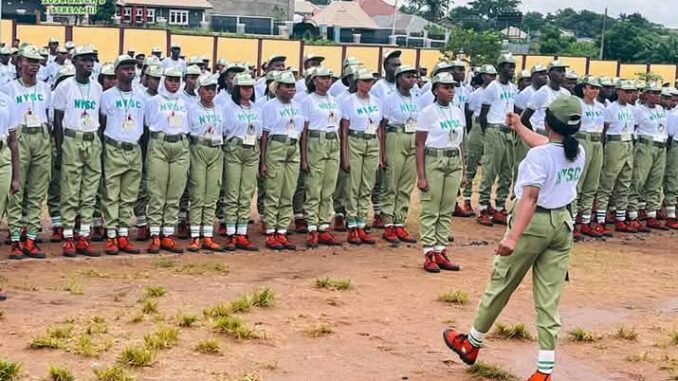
<point>659,11</point>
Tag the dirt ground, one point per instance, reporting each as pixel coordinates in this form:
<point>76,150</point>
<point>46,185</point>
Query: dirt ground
<point>387,326</point>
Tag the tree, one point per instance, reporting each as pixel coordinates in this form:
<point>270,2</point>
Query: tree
<point>622,41</point>
<point>105,11</point>
<point>476,48</point>
<point>533,21</point>
<point>551,40</point>
<point>431,10</point>
<point>466,18</point>
<point>490,9</point>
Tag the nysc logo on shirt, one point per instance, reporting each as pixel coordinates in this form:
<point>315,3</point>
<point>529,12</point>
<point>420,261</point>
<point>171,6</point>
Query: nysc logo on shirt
<point>408,107</point>
<point>29,97</point>
<point>84,104</point>
<point>592,114</point>
<point>289,112</point>
<point>247,118</point>
<point>128,103</point>
<point>171,106</point>
<point>568,175</point>
<point>624,116</point>
<point>368,109</point>
<point>209,118</point>
<point>507,95</point>
<point>447,124</point>
<point>327,106</point>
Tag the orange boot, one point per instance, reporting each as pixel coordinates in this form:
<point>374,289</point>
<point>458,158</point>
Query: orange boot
<point>461,345</point>
<point>84,247</point>
<point>154,247</point>
<point>538,376</point>
<point>169,243</point>
<point>125,246</point>
<point>209,244</point>
<point>31,249</point>
<point>111,247</point>
<point>69,248</point>
<point>17,251</point>
<point>194,246</point>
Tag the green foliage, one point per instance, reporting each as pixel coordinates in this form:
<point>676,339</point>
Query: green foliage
<point>114,373</point>
<point>208,346</point>
<point>162,338</point>
<point>136,357</point>
<point>432,10</point>
<point>9,371</point>
<point>477,47</point>
<point>105,11</point>
<point>491,372</point>
<point>60,374</point>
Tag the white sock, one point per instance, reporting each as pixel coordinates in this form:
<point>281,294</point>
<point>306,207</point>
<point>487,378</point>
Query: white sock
<point>242,230</point>
<point>85,230</point>
<point>671,211</point>
<point>111,233</point>
<point>123,232</point>
<point>195,231</point>
<point>230,230</point>
<point>545,362</point>
<point>476,337</point>
<point>168,230</point>
<point>208,231</point>
<point>652,214</point>
<point>155,230</point>
<point>632,215</point>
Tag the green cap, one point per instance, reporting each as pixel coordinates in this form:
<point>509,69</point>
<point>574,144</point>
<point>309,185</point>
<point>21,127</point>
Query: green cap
<point>592,81</point>
<point>445,78</point>
<point>67,70</point>
<point>363,74</point>
<point>350,61</point>
<point>627,85</point>
<point>457,63</point>
<point>286,77</point>
<point>272,75</point>
<point>30,51</point>
<point>567,110</point>
<point>556,64</point>
<point>14,51</point>
<point>156,50</point>
<point>405,69</point>
<point>506,58</point>
<point>123,59</point>
<point>5,51</point>
<point>571,74</point>
<point>173,72</point>
<point>69,45</point>
<point>351,70</point>
<point>151,60</point>
<point>44,52</point>
<point>441,65</point>
<point>53,40</point>
<point>312,56</point>
<point>154,71</point>
<point>522,74</point>
<point>193,70</point>
<point>320,71</point>
<point>392,53</point>
<point>234,67</point>
<point>308,73</point>
<point>487,69</point>
<point>537,68</point>
<point>652,86</point>
<point>222,62</point>
<point>673,91</point>
<point>243,79</point>
<point>206,80</point>
<point>667,91</point>
<point>107,69</point>
<point>605,81</point>
<point>194,60</point>
<point>85,50</point>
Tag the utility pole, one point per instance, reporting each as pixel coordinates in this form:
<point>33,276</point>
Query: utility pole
<point>602,37</point>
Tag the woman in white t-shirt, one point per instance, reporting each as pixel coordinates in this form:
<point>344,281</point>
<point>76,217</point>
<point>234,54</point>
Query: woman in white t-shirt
<point>591,137</point>
<point>206,134</point>
<point>539,234</point>
<point>361,113</point>
<point>396,134</point>
<point>167,161</point>
<point>243,123</point>
<point>283,123</point>
<point>320,156</point>
<point>440,168</point>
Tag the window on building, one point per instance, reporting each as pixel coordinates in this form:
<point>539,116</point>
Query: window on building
<point>177,17</point>
<point>139,17</point>
<point>150,16</point>
<point>127,15</point>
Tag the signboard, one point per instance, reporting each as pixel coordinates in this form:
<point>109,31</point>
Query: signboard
<point>72,7</point>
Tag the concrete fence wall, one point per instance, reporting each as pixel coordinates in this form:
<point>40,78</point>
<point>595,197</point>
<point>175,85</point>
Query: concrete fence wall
<point>112,41</point>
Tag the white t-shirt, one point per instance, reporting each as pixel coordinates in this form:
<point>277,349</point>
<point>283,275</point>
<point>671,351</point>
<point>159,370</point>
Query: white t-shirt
<point>207,123</point>
<point>401,110</point>
<point>620,120</point>
<point>475,101</point>
<point>188,98</point>
<point>321,113</point>
<point>260,88</point>
<point>29,102</point>
<point>592,117</point>
<point>80,104</point>
<point>300,86</point>
<point>124,111</point>
<point>362,115</point>
<point>524,96</point>
<point>222,99</point>
<point>7,73</point>
<point>547,168</point>
<point>461,97</point>
<point>169,63</point>
<point>500,98</point>
<point>445,126</point>
<point>167,114</point>
<point>651,122</point>
<point>283,118</point>
<point>383,88</point>
<point>539,101</point>
<point>337,88</point>
<point>243,122</point>
<point>8,118</point>
<point>672,124</point>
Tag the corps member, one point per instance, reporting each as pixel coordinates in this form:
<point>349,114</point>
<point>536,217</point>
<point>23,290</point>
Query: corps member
<point>9,157</point>
<point>671,172</point>
<point>539,236</point>
<point>440,170</point>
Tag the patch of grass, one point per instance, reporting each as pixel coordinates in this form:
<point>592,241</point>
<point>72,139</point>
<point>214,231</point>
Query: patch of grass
<point>208,346</point>
<point>219,310</point>
<point>114,373</point>
<point>154,291</point>
<point>263,298</point>
<point>518,331</point>
<point>45,342</point>
<point>626,333</point>
<point>60,374</point>
<point>93,273</point>
<point>95,325</point>
<point>9,371</point>
<point>235,327</point>
<point>54,338</point>
<point>186,320</point>
<point>163,338</point>
<point>322,329</point>
<point>87,347</point>
<point>165,263</point>
<point>240,305</point>
<point>673,336</point>
<point>639,357</point>
<point>580,335</point>
<point>457,297</point>
<point>73,287</point>
<point>149,306</point>
<point>491,372</point>
<point>202,268</point>
<point>136,357</point>
<point>333,284</point>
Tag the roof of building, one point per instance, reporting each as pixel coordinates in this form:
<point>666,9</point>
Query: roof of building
<point>201,4</point>
<point>347,14</point>
<point>376,7</point>
<point>513,32</point>
<point>404,22</point>
<point>305,7</point>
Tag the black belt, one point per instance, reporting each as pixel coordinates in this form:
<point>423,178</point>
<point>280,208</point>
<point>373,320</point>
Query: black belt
<point>321,134</point>
<point>87,136</point>
<point>283,139</point>
<point>500,127</point>
<point>122,145</point>
<point>2,144</point>
<point>239,142</point>
<point>592,136</point>
<point>32,130</point>
<point>446,152</point>
<point>167,138</point>
<point>546,210</point>
<point>391,128</point>
<point>202,142</point>
<point>616,138</point>
<point>360,134</point>
<point>650,141</point>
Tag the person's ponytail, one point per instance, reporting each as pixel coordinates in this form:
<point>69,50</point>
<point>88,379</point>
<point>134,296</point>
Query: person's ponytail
<point>570,143</point>
<point>571,146</point>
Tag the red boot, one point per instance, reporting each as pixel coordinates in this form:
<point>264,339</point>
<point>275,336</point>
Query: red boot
<point>84,247</point>
<point>339,223</point>
<point>169,243</point>
<point>154,247</point>
<point>538,376</point>
<point>272,242</point>
<point>499,217</point>
<point>353,237</point>
<point>194,245</point>
<point>286,244</point>
<point>654,223</point>
<point>623,227</point>
<point>661,214</point>
<point>312,240</point>
<point>326,238</point>
<point>460,344</point>
<point>404,235</point>
<point>601,229</point>
<point>125,246</point>
<point>672,223</point>
<point>444,263</point>
<point>364,237</point>
<point>460,211</point>
<point>69,248</point>
<point>378,222</point>
<point>111,247</point>
<point>589,230</point>
<point>484,218</point>
<point>638,226</point>
<point>229,243</point>
<point>17,251</point>
<point>31,249</point>
<point>430,264</point>
<point>209,244</point>
<point>242,242</point>
<point>390,235</point>
<point>143,233</point>
<point>468,208</point>
<point>57,234</point>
